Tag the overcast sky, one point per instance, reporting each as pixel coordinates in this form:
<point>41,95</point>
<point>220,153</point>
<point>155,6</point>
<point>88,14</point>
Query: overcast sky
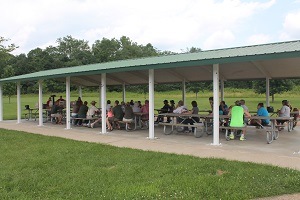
<point>172,25</point>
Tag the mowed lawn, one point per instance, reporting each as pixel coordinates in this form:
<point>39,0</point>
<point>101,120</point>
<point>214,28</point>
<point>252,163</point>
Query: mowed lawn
<point>41,167</point>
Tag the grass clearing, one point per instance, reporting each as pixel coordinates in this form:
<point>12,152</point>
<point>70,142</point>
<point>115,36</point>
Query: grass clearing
<point>40,167</point>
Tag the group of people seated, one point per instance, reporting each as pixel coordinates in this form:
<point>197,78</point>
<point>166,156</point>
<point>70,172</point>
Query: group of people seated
<point>167,108</point>
<point>56,108</point>
<point>123,112</point>
<point>115,113</point>
<point>238,115</point>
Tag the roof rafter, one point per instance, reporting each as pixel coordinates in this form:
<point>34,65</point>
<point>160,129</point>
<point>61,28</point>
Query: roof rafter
<point>260,68</point>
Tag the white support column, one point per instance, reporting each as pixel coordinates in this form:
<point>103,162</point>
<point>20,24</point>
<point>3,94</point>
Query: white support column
<point>124,93</point>
<point>103,102</point>
<point>184,92</point>
<point>267,91</point>
<point>80,91</point>
<point>40,103</point>
<point>100,95</point>
<point>1,102</point>
<point>222,89</point>
<point>151,104</point>
<point>18,103</point>
<point>216,104</point>
<point>68,103</point>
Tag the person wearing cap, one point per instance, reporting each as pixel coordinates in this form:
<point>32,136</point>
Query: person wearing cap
<point>236,115</point>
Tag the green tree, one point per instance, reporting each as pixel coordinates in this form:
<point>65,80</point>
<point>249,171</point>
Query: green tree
<point>5,55</point>
<point>5,50</point>
<point>74,52</point>
<point>197,87</point>
<point>276,87</point>
<point>9,89</point>
<point>192,50</point>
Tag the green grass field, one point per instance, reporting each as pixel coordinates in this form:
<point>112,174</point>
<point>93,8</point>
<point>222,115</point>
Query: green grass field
<point>41,167</point>
<point>231,95</point>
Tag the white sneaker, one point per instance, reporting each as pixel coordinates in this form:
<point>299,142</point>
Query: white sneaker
<point>92,125</point>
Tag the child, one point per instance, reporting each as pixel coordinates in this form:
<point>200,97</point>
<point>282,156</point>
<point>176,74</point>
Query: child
<point>109,117</point>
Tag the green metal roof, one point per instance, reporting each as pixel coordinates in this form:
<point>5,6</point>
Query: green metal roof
<point>290,49</point>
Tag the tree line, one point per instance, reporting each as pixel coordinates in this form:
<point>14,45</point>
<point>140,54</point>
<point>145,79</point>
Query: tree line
<point>70,52</point>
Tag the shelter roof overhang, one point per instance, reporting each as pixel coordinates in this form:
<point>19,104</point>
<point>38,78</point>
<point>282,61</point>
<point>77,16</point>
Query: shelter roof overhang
<point>275,60</point>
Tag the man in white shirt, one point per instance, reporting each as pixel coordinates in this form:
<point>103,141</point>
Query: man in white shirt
<point>180,108</point>
<point>92,110</point>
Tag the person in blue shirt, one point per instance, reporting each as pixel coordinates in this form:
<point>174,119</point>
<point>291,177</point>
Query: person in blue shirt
<point>261,111</point>
<point>223,108</point>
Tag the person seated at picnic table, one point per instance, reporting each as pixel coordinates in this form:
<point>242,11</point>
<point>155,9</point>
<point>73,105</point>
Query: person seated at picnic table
<point>55,113</point>
<point>211,102</point>
<point>79,101</point>
<point>192,120</point>
<point>136,108</point>
<point>140,104</point>
<point>75,110</point>
<point>283,112</point>
<point>236,115</point>
<point>128,115</point>
<point>49,103</point>
<point>118,114</point>
<point>131,103</point>
<point>172,106</point>
<point>289,105</point>
<point>109,118</point>
<point>243,102</point>
<point>145,109</point>
<point>180,108</point>
<point>296,116</point>
<point>164,109</point>
<point>60,99</point>
<point>82,113</point>
<point>263,112</point>
<point>92,110</point>
<point>223,108</point>
<point>123,106</point>
<point>108,105</point>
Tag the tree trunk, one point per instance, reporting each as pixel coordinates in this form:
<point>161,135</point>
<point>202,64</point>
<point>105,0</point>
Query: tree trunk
<point>196,95</point>
<point>272,98</point>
